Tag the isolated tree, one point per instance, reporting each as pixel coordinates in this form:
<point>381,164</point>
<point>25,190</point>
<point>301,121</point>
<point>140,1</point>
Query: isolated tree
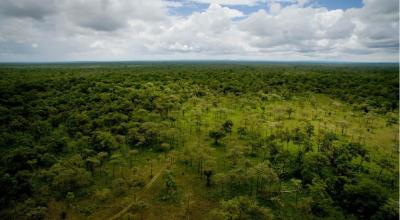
<point>343,126</point>
<point>242,131</point>
<point>227,126</point>
<point>216,135</point>
<point>289,111</point>
<point>169,192</point>
<point>309,129</point>
<point>169,180</point>
<point>209,169</point>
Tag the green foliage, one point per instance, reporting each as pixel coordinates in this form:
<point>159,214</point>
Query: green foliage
<point>315,165</point>
<point>321,204</point>
<point>389,211</point>
<point>309,129</point>
<point>119,186</point>
<point>216,135</point>
<point>169,180</point>
<point>310,141</point>
<point>227,126</point>
<point>241,208</point>
<point>29,209</point>
<point>364,198</point>
<point>69,176</point>
<point>103,141</point>
<point>169,193</point>
<point>103,194</point>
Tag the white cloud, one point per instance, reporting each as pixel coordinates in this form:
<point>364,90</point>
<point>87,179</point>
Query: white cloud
<point>301,28</point>
<point>230,2</point>
<point>251,2</point>
<point>28,8</point>
<point>378,24</point>
<point>107,15</point>
<point>125,29</point>
<point>210,31</point>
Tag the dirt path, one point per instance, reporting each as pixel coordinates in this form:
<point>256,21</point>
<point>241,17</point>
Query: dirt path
<point>148,185</point>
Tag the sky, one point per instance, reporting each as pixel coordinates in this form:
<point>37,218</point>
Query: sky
<point>262,30</point>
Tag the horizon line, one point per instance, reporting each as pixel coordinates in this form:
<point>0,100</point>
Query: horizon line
<point>200,60</point>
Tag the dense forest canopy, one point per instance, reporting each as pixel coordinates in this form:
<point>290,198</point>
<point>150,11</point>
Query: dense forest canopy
<point>211,140</point>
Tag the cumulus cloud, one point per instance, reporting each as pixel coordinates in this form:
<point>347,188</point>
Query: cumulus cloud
<point>210,31</point>
<point>302,29</point>
<point>127,29</point>
<point>110,15</point>
<point>378,24</point>
<point>28,8</point>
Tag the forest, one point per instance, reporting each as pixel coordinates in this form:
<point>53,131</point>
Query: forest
<point>215,141</point>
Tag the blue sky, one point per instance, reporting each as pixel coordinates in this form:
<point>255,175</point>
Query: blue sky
<point>189,6</point>
<point>277,30</point>
<point>340,4</point>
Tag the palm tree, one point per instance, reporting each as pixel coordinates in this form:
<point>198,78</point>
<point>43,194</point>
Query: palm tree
<point>209,167</point>
<point>92,163</point>
<point>131,154</point>
<point>115,160</point>
<point>101,156</point>
<point>297,185</point>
